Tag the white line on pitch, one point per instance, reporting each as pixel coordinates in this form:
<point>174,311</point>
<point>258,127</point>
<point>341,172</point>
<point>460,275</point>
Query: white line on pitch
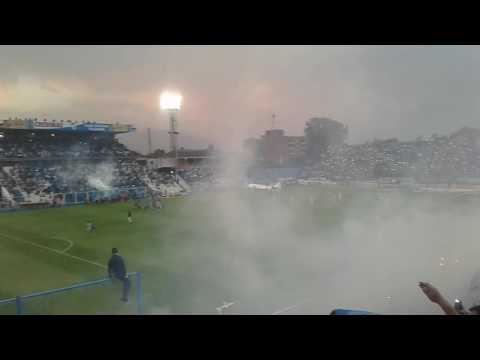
<point>64,239</point>
<point>53,250</point>
<point>288,308</point>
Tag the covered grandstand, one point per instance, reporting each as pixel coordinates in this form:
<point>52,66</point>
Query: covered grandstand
<point>49,163</point>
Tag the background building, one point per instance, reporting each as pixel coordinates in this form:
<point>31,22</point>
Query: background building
<point>296,148</point>
<point>275,149</point>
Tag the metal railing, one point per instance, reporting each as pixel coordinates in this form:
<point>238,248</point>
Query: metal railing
<point>19,300</point>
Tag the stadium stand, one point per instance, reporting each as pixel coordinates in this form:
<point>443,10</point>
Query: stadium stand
<point>65,162</point>
<point>53,161</point>
<point>454,158</point>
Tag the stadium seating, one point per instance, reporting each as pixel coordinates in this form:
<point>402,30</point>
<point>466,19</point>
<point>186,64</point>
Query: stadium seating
<point>36,182</point>
<point>36,166</point>
<point>433,160</point>
<point>24,146</point>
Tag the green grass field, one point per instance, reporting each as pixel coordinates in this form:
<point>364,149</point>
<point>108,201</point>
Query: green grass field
<point>187,252</point>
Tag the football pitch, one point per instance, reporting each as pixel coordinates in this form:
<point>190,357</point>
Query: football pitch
<point>189,253</point>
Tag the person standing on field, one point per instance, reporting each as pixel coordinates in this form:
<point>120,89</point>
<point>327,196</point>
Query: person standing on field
<point>117,269</point>
<point>130,220</point>
<point>90,226</point>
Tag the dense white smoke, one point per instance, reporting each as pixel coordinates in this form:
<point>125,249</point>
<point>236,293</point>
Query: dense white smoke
<point>102,176</point>
<point>99,176</point>
<point>276,250</point>
<point>160,311</point>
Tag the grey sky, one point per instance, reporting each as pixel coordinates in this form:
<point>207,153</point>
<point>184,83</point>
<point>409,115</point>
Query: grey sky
<point>230,92</point>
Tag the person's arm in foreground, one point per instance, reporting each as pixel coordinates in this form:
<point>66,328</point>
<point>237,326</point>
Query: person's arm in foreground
<point>434,296</point>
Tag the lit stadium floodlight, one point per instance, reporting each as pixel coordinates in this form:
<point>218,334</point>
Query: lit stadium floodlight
<point>170,101</point>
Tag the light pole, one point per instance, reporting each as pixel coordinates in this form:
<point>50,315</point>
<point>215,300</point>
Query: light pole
<point>171,103</point>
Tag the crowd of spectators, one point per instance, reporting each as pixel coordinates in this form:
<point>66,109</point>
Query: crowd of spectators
<point>436,159</point>
<point>158,178</point>
<point>207,178</point>
<point>23,180</point>
<point>29,145</point>
<point>44,163</point>
<point>128,173</point>
<point>197,175</point>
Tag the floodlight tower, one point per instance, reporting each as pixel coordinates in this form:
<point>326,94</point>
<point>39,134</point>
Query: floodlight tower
<point>171,103</point>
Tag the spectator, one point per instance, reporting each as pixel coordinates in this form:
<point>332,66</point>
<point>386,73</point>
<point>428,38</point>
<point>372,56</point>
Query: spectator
<point>117,269</point>
<point>436,297</point>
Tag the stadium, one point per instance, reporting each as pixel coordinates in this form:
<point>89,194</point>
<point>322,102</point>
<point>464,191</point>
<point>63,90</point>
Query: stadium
<point>59,164</point>
<point>356,190</point>
<point>199,243</point>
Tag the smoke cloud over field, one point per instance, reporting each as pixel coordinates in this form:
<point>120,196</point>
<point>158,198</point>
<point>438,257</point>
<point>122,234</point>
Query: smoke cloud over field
<point>276,250</point>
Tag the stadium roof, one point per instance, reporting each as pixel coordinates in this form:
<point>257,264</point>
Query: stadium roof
<point>66,126</point>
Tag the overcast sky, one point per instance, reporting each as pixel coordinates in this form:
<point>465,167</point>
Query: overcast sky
<point>230,92</point>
